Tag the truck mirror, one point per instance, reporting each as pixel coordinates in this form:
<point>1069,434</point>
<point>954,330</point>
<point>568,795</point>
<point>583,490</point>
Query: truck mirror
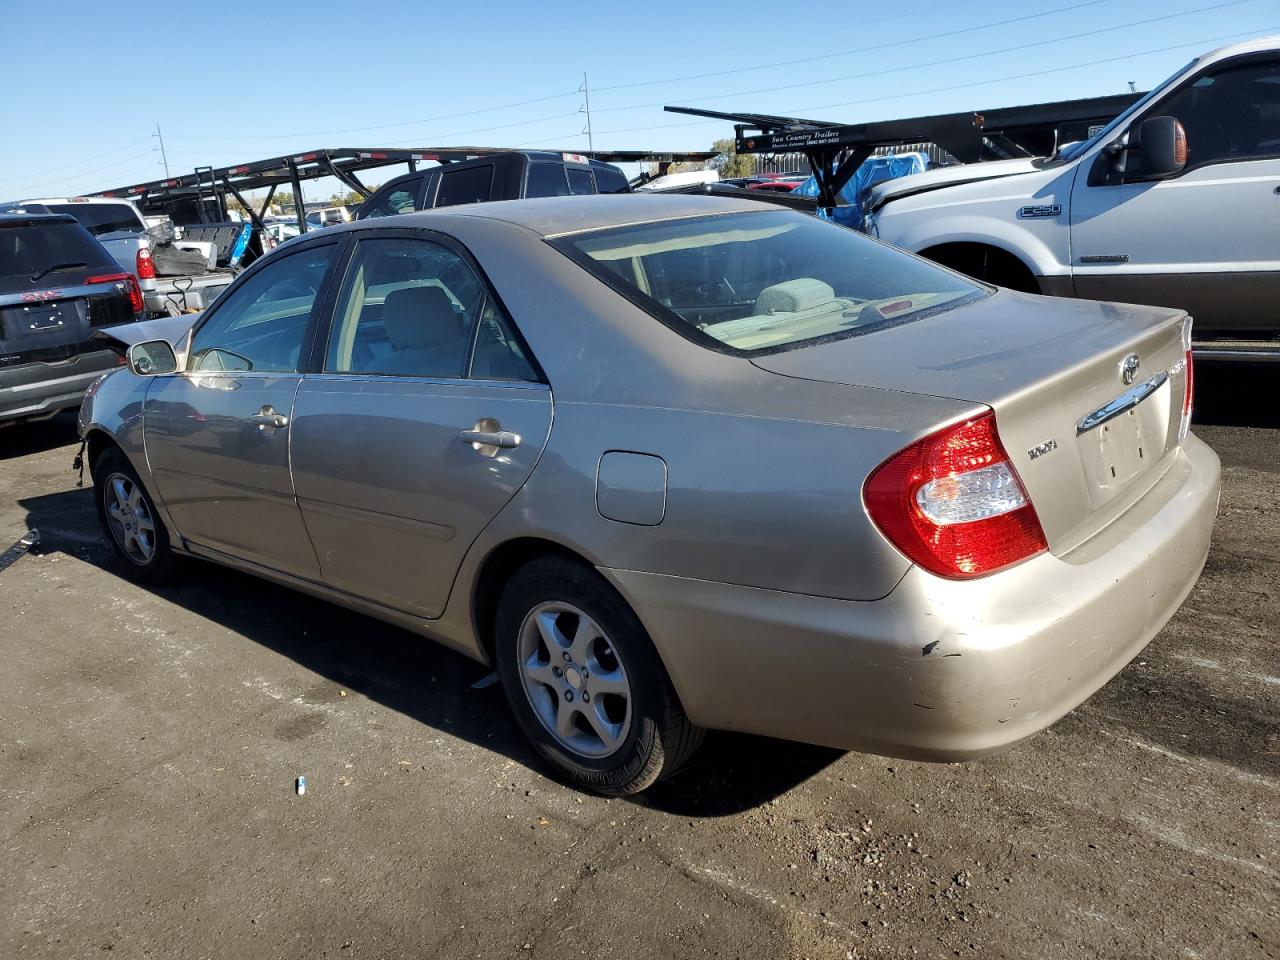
<point>1162,146</point>
<point>152,359</point>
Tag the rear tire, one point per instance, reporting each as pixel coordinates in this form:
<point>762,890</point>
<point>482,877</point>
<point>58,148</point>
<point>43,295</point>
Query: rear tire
<point>584,682</point>
<point>130,520</point>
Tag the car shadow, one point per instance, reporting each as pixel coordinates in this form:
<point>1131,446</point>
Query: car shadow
<point>1236,394</point>
<point>418,678</point>
<point>37,436</point>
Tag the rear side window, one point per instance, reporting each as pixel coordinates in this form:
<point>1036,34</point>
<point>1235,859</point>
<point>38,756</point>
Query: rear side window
<point>546,180</point>
<point>761,282</point>
<point>100,218</point>
<point>408,308</point>
<point>471,185</point>
<point>580,181</point>
<point>29,250</point>
<point>611,180</point>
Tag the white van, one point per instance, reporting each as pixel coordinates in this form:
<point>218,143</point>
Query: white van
<point>1176,203</point>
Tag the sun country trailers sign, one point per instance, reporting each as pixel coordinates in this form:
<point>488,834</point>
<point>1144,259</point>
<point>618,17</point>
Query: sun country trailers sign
<point>796,140</point>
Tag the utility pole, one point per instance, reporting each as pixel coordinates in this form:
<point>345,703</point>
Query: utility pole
<point>586,96</point>
<point>163,156</point>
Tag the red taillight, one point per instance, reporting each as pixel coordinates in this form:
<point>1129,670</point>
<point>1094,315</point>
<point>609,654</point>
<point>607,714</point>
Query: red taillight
<point>1189,388</point>
<point>953,503</point>
<point>146,266</point>
<point>130,284</point>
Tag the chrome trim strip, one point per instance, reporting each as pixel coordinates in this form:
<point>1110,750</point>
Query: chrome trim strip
<point>1126,401</point>
<point>1209,353</point>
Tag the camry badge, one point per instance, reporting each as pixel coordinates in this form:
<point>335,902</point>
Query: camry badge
<point>1129,368</point>
<point>1035,453</point>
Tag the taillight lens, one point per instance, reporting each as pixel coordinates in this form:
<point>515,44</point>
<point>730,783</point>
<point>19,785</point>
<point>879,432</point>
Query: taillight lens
<point>1188,381</point>
<point>146,265</point>
<point>954,504</point>
<point>1189,391</point>
<point>128,282</point>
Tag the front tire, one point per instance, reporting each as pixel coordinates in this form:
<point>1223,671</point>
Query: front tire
<point>130,520</point>
<point>584,681</point>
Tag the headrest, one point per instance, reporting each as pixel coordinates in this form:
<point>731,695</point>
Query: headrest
<point>420,317</point>
<point>794,296</point>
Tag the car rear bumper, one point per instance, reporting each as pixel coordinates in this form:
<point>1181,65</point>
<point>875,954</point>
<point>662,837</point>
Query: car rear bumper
<point>35,390</point>
<point>939,669</point>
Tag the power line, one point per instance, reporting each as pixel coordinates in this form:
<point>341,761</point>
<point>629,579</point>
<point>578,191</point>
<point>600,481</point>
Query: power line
<point>1041,73</point>
<point>938,63</point>
<point>29,188</point>
<point>869,49</point>
<point>977,83</point>
<point>386,126</point>
<point>76,163</point>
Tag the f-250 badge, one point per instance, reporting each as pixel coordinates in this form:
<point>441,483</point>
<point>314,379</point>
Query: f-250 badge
<point>1039,212</point>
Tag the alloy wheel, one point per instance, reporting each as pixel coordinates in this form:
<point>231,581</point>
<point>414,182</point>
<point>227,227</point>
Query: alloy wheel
<point>130,518</point>
<point>574,679</point>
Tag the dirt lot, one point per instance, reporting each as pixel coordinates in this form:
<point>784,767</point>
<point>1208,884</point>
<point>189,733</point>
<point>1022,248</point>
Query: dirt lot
<point>149,742</point>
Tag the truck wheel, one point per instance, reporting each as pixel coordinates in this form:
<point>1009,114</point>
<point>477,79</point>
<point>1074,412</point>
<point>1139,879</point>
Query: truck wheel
<point>584,681</point>
<point>989,264</point>
<point>130,520</point>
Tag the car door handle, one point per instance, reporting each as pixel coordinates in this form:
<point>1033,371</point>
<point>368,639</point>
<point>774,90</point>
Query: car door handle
<point>502,439</point>
<point>268,419</point>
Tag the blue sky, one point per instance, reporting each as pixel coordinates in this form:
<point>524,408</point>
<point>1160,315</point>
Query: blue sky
<point>82,99</point>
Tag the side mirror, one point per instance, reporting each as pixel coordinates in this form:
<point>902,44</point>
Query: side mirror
<point>1162,146</point>
<point>152,359</point>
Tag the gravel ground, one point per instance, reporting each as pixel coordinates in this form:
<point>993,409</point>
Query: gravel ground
<point>149,741</point>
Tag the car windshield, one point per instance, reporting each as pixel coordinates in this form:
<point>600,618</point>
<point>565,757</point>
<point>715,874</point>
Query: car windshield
<point>761,282</point>
<point>102,218</point>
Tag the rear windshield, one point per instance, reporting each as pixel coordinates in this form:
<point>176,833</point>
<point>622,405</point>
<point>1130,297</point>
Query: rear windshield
<point>28,250</point>
<point>763,282</point>
<point>101,218</point>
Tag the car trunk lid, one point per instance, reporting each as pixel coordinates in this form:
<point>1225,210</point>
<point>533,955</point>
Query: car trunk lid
<point>1086,441</point>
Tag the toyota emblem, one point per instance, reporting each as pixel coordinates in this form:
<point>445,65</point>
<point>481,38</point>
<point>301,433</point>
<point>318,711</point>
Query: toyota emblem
<point>1129,368</point>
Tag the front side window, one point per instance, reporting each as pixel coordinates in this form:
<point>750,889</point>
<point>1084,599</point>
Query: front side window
<point>407,308</point>
<point>766,281</point>
<point>1229,114</point>
<point>471,185</point>
<point>262,324</point>
<point>396,200</point>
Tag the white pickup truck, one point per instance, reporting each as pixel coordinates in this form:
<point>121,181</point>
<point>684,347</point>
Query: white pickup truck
<point>1175,203</point>
<point>121,229</point>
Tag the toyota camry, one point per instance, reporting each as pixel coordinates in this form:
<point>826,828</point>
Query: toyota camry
<point>678,463</point>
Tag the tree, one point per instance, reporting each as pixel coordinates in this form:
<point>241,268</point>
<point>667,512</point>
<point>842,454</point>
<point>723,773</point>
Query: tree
<point>350,198</point>
<point>730,163</point>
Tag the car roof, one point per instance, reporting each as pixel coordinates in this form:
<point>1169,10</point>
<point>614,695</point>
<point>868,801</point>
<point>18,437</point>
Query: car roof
<point>556,216</point>
<point>24,219</point>
<point>119,200</point>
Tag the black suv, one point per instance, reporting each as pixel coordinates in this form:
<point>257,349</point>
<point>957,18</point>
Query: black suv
<point>58,285</point>
<point>497,176</point>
